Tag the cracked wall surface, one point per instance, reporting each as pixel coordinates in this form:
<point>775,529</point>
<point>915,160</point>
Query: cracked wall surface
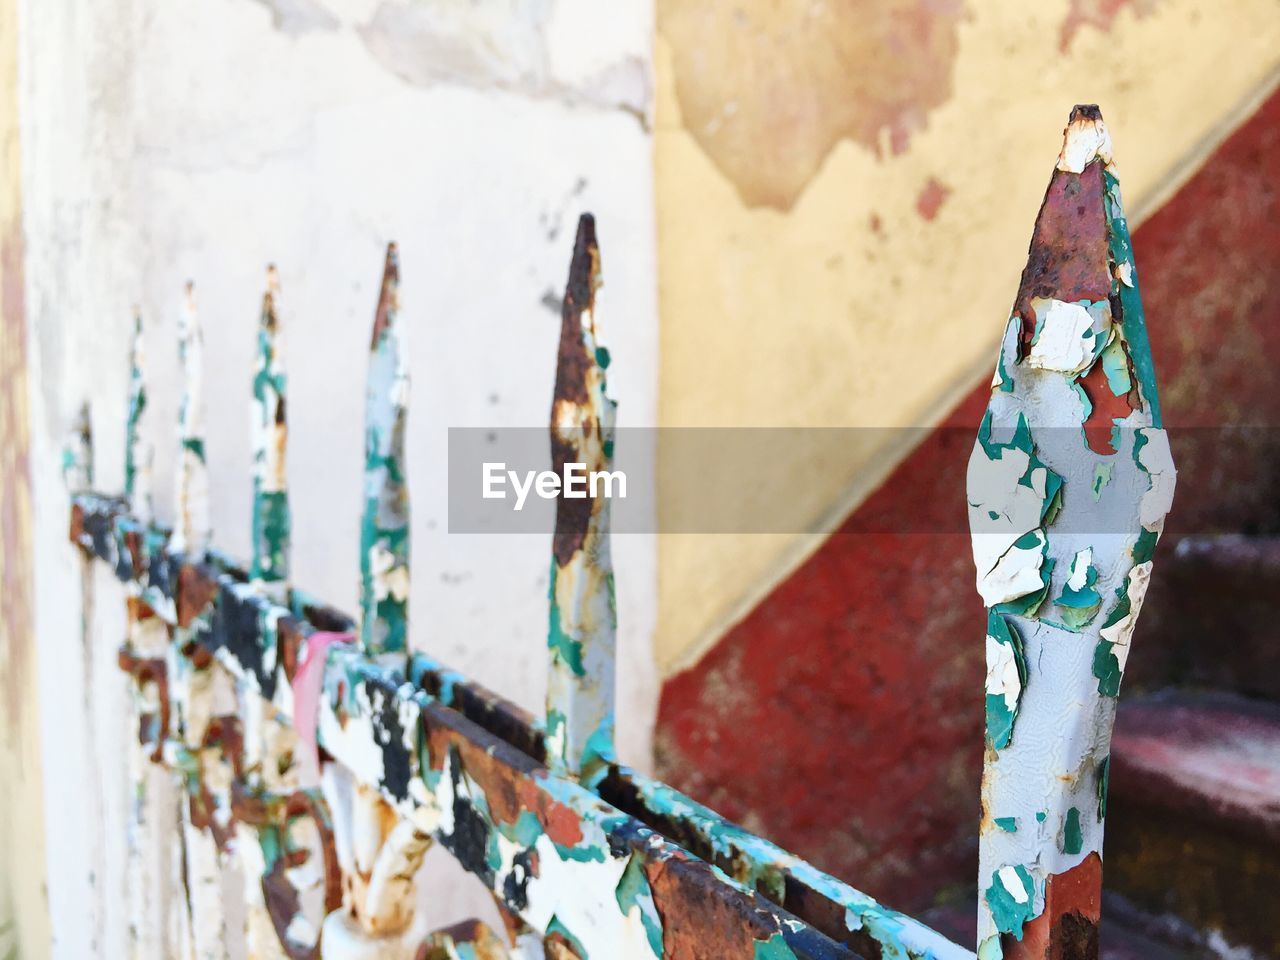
<point>843,199</point>
<point>163,142</point>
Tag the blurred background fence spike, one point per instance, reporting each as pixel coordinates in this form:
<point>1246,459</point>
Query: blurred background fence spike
<point>583,617</point>
<point>384,529</point>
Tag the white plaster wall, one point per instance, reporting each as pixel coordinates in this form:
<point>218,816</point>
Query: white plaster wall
<point>205,139</point>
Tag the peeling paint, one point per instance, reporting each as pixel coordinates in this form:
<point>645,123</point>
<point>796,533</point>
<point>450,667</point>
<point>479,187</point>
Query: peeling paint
<point>1073,409</point>
<point>384,530</point>
<point>583,615</point>
<point>767,92</point>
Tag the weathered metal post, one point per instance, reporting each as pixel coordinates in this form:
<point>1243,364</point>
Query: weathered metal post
<point>1069,484</point>
<point>378,851</point>
<point>268,785</point>
<point>583,621</point>
<point>154,930</point>
<point>77,470</point>
<point>202,692</point>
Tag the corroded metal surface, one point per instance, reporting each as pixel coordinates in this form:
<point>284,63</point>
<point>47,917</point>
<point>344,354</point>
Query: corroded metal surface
<point>384,530</point>
<point>269,563</point>
<point>541,842</point>
<point>582,635</point>
<point>1069,484</point>
<point>585,858</point>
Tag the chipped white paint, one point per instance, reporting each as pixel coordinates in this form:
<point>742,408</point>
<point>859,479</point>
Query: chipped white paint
<point>1070,335</point>
<point>1087,522</point>
<point>1002,510</point>
<point>1156,459</point>
<point>1002,673</point>
<point>1080,565</point>
<point>1121,632</point>
<point>1010,880</point>
<point>1086,139</point>
<point>191,527</point>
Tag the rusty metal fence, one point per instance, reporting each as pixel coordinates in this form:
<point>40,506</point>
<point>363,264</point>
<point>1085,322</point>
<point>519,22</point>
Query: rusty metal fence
<point>313,758</point>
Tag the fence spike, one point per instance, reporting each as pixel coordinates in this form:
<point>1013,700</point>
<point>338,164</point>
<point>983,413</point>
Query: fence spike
<point>1069,483</point>
<point>384,530</point>
<point>191,519</point>
<point>269,565</point>
<point>138,452</point>
<point>583,619</point>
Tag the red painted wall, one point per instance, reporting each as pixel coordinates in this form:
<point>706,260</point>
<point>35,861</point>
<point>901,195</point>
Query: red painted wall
<point>842,717</point>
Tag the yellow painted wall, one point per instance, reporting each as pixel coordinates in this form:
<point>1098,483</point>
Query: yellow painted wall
<point>800,149</point>
<point>24,920</point>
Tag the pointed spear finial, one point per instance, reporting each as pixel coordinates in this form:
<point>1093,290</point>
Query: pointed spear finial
<point>1068,486</point>
<point>583,621</point>
<point>384,531</point>
<point>269,565</point>
<point>191,532</point>
<point>138,452</point>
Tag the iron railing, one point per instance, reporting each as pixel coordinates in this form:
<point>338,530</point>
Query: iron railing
<point>319,757</point>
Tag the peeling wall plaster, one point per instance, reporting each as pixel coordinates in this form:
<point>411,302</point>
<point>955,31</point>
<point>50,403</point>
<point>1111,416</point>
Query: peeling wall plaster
<point>796,247</point>
<point>165,141</point>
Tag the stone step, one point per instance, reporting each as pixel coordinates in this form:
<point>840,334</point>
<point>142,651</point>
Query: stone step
<point>1212,617</point>
<point>1193,819</point>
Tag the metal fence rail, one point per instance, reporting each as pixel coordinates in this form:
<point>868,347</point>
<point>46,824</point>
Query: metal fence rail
<point>317,757</point>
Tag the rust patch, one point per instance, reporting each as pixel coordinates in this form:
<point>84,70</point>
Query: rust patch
<point>1068,927</point>
<point>560,823</point>
<point>1100,14</point>
<point>196,590</point>
<point>767,90</point>
<point>1068,256</point>
<point>387,298</point>
<point>1106,408</point>
<point>697,923</point>
<point>572,369</point>
<point>931,198</point>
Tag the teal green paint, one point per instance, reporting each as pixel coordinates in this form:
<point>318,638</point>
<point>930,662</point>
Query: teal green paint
<point>271,519</point>
<point>563,647</point>
<point>555,926</point>
<point>775,948</point>
<point>602,358</point>
<point>633,892</point>
<point>1106,666</point>
<point>1115,365</point>
<point>1101,477</point>
<point>1007,824</point>
<point>1072,834</point>
<point>1029,605</point>
<point>989,949</point>
<point>1010,915</point>
<point>384,528</point>
<point>1000,719</point>
<point>133,420</point>
<point>1080,606</point>
<point>1144,547</point>
<point>272,526</point>
<point>1133,322</point>
<point>1041,816</point>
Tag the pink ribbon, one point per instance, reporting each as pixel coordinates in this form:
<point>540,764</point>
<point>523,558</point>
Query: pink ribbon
<point>308,684</point>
